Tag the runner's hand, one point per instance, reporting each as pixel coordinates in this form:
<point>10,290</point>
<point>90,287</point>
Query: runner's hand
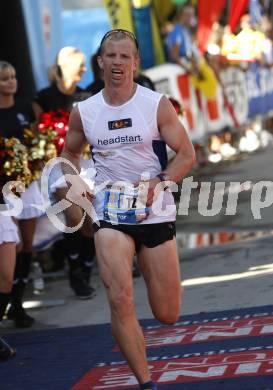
<point>149,190</point>
<point>78,189</point>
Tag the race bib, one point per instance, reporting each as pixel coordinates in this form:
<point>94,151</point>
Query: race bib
<point>123,206</point>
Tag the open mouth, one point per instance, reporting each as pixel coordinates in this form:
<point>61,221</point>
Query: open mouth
<point>117,72</point>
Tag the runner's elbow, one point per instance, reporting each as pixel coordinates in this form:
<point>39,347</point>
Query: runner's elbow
<point>192,159</point>
<point>69,154</point>
<point>189,159</point>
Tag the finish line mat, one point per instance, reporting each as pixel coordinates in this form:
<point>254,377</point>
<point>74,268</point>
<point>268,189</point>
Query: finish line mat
<point>232,349</point>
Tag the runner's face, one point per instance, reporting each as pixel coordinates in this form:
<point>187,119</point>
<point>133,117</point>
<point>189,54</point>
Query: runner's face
<point>118,61</point>
<point>8,81</point>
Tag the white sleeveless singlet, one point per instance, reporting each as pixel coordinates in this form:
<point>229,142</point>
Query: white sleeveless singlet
<point>126,146</point>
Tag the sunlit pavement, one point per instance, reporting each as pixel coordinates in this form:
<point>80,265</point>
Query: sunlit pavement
<point>250,168</point>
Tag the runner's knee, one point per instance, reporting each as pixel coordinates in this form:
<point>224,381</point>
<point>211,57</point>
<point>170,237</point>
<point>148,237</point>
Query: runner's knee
<point>167,311</point>
<point>122,302</point>
<point>167,317</point>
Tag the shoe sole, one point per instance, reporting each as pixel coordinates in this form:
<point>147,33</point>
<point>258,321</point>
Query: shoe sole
<point>11,352</point>
<point>83,297</point>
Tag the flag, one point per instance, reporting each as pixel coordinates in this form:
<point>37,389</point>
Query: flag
<point>208,13</point>
<point>119,12</point>
<point>237,9</point>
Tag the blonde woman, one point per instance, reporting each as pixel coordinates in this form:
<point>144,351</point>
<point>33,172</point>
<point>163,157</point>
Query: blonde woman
<point>64,76</point>
<point>15,116</point>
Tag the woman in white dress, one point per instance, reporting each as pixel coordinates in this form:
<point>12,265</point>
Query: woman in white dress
<point>8,240</point>
<point>16,115</point>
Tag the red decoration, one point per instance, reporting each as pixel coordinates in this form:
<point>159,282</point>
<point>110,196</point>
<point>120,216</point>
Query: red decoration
<point>176,105</point>
<point>58,122</point>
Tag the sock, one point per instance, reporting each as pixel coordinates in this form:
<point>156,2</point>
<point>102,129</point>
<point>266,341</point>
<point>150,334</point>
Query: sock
<point>23,265</point>
<point>73,248</point>
<point>148,386</point>
<point>20,279</point>
<point>87,255</point>
<point>4,300</point>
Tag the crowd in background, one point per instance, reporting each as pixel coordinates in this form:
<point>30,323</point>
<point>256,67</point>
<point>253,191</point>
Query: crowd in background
<point>245,45</point>
<point>251,41</point>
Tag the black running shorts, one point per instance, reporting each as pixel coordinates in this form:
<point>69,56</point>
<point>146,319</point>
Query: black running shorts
<point>149,235</point>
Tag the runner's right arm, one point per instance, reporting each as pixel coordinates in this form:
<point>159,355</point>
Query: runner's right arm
<point>75,141</point>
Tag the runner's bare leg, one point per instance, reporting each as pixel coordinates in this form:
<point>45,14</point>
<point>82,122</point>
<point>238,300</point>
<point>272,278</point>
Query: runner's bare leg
<point>115,251</point>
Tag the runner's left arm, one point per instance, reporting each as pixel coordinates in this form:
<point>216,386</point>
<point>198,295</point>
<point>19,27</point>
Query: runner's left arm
<point>176,137</point>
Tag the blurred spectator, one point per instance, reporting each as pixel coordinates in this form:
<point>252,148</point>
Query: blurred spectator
<point>267,7</point>
<point>215,39</point>
<point>15,116</point>
<point>64,93</point>
<point>180,45</point>
<point>64,75</point>
<point>98,84</point>
<point>267,44</point>
<point>246,45</point>
<point>8,239</point>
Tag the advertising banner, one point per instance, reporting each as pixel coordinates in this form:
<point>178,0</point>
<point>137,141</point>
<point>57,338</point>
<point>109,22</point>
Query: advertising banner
<point>43,25</point>
<point>260,90</point>
<point>240,97</point>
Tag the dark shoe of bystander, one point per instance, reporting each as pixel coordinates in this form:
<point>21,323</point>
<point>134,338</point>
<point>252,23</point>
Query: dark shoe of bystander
<point>6,352</point>
<point>79,284</point>
<point>20,317</point>
<point>83,291</point>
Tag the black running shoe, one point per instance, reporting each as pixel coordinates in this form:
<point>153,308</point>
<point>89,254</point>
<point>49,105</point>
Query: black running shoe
<point>79,284</point>
<point>83,291</point>
<point>20,317</point>
<point>6,352</point>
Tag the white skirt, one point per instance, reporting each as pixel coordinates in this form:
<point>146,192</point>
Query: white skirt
<point>31,197</point>
<point>8,230</point>
<point>32,202</point>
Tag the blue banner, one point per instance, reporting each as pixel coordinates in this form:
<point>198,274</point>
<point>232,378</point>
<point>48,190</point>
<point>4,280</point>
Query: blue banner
<point>84,28</point>
<point>143,29</point>
<point>43,25</point>
<point>260,90</point>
